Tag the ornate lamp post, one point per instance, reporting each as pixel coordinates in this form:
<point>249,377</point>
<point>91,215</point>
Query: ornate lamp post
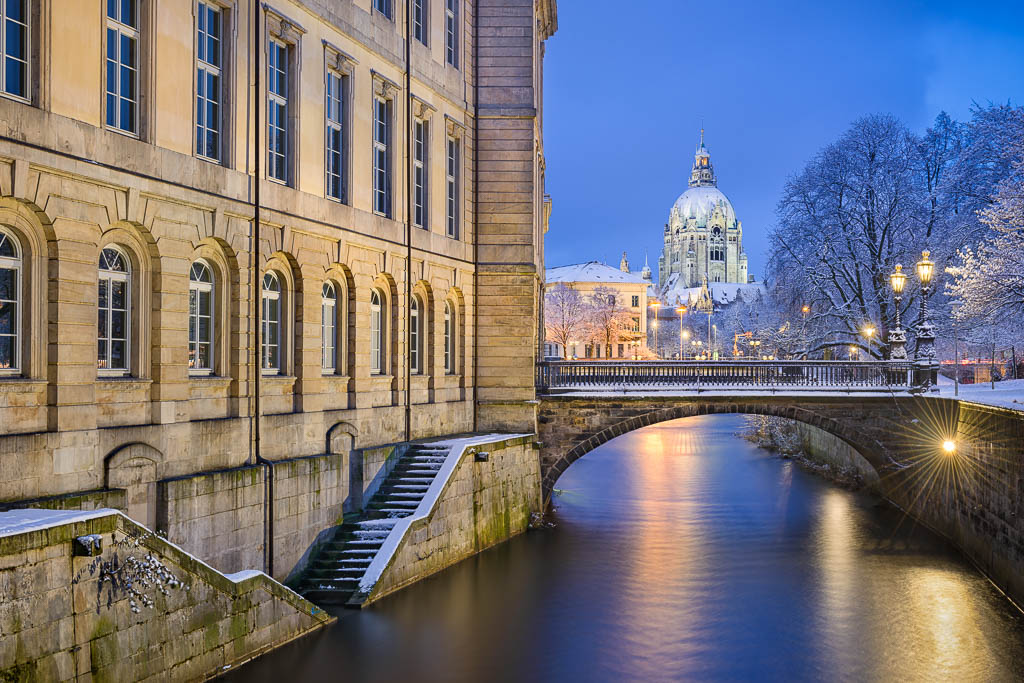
<point>868,331</point>
<point>897,336</point>
<point>924,350</point>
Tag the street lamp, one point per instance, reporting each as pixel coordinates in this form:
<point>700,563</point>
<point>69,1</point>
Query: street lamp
<point>655,305</point>
<point>681,310</point>
<point>924,350</point>
<point>897,336</point>
<point>853,352</point>
<point>868,331</point>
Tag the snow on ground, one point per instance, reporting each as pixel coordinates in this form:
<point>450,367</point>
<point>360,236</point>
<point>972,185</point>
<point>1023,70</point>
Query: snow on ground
<point>1006,394</point>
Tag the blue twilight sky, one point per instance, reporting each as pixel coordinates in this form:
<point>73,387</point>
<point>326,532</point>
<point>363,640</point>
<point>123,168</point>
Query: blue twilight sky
<point>628,83</point>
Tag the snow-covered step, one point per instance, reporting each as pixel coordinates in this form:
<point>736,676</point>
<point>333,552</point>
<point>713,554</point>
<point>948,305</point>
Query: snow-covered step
<point>410,487</point>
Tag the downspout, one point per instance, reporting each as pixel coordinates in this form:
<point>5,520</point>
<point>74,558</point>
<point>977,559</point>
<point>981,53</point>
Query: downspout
<point>408,222</point>
<point>476,214</point>
<point>257,368</point>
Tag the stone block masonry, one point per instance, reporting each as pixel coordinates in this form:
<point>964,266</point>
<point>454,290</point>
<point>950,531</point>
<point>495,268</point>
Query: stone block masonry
<point>55,629</point>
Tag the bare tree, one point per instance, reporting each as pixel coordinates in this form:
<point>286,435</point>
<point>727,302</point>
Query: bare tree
<point>843,222</point>
<point>565,315</point>
<point>608,319</point>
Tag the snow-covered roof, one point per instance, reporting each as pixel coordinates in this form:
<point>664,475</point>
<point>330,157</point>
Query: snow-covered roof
<point>700,203</point>
<point>592,271</point>
<point>723,293</point>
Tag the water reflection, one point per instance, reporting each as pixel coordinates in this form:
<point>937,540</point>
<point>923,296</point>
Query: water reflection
<point>684,553</point>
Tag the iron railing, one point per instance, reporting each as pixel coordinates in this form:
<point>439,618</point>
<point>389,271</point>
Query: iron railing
<point>562,376</point>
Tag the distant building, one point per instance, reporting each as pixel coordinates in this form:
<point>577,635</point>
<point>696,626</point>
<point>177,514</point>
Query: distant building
<point>703,237</point>
<point>630,293</point>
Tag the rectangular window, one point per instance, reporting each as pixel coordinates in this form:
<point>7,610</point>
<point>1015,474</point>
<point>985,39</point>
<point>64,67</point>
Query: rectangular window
<point>636,301</point>
<point>123,65</point>
<point>452,181</point>
<point>382,157</point>
<point>383,6</point>
<point>419,20</point>
<point>14,48</point>
<point>620,350</point>
<point>277,111</point>
<point>420,163</point>
<point>209,62</point>
<point>335,142</point>
<point>451,32</point>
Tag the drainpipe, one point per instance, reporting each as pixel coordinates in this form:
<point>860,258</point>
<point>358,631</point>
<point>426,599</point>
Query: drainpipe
<point>476,215</point>
<point>257,367</point>
<point>408,221</point>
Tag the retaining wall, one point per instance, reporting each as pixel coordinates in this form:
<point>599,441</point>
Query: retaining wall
<point>56,623</point>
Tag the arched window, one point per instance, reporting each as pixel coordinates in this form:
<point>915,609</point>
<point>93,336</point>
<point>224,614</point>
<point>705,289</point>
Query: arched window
<point>377,331</point>
<point>271,327</point>
<point>200,319</point>
<point>10,303</point>
<point>449,339</point>
<point>415,337</point>
<point>114,298</point>
<point>329,329</point>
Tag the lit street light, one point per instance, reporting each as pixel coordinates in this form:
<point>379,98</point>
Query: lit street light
<point>924,351</point>
<point>681,311</point>
<point>897,337</point>
<point>655,305</point>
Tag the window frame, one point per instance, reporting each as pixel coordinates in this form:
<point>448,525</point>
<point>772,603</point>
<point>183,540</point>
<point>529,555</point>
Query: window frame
<point>120,29</point>
<point>449,338</point>
<point>111,276</point>
<point>198,287</point>
<point>267,295</point>
<point>385,8</point>
<point>452,193</point>
<point>415,336</point>
<point>329,323</point>
<point>421,21</point>
<point>378,332</point>
<point>381,153</point>
<point>451,33</point>
<point>338,126</point>
<point>17,264</point>
<point>276,47</point>
<point>219,71</point>
<point>421,173</point>
<point>26,60</point>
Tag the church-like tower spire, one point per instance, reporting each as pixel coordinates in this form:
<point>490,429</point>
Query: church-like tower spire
<point>703,173</point>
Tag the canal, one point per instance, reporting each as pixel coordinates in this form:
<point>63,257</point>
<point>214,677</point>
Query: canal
<point>682,552</point>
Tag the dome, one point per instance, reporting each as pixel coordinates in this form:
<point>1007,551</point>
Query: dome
<point>700,202</point>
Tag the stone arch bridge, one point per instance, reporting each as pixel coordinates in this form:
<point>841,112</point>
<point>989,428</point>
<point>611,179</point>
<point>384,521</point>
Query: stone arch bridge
<point>974,495</point>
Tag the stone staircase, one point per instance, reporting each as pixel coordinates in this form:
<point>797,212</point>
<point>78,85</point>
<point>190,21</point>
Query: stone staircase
<point>335,572</point>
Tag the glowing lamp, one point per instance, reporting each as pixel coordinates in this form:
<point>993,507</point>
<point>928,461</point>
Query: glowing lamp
<point>949,446</point>
<point>898,279</point>
<point>925,268</point>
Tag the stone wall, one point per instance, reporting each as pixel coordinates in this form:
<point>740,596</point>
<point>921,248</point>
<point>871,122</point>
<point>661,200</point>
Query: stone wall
<point>53,627</point>
<point>821,447</point>
<point>218,516</point>
<point>482,504</point>
<point>309,494</point>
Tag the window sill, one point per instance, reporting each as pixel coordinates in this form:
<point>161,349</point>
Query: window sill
<point>121,131</point>
<point>125,382</point>
<point>20,381</point>
<point>280,377</point>
<point>210,160</point>
<point>211,379</point>
<point>16,98</point>
<point>278,181</point>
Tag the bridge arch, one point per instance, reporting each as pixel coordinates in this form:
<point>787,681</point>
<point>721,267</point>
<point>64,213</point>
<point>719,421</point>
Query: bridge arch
<point>560,448</point>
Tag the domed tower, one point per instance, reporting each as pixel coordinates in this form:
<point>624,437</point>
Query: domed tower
<point>703,236</point>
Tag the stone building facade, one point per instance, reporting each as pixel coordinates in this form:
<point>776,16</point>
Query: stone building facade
<point>703,238</point>
<point>397,171</point>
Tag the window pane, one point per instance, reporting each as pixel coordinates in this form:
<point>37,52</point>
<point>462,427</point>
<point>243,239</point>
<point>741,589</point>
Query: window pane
<point>7,317</point>
<point>7,282</point>
<point>101,354</point>
<point>118,358</point>
<point>15,40</point>
<point>205,303</point>
<point>16,10</point>
<point>117,325</point>
<point>118,294</point>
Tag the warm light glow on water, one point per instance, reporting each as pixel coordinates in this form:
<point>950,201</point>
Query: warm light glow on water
<point>685,553</point>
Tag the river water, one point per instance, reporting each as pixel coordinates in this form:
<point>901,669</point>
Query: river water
<point>682,552</point>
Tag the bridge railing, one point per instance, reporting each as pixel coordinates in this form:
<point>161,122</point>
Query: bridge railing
<point>555,376</point>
